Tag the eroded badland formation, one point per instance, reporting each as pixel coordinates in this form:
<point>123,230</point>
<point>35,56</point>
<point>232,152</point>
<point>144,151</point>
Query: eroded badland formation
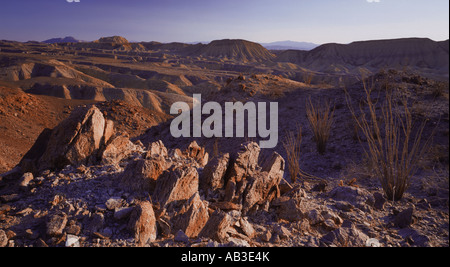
<point>88,158</point>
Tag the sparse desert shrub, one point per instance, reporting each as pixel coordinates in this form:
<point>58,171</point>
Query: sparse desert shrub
<point>439,89</point>
<point>320,117</point>
<point>394,144</point>
<point>292,145</point>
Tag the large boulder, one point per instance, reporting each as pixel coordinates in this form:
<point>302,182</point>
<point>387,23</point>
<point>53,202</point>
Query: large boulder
<point>142,223</point>
<point>176,184</point>
<point>78,140</point>
<point>75,140</point>
<point>141,175</point>
<point>192,217</point>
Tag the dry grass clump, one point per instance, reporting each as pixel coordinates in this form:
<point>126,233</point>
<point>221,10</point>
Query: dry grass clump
<point>292,144</point>
<point>394,144</point>
<point>320,117</point>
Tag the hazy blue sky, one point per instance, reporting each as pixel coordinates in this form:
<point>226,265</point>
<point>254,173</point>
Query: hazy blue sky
<point>318,21</point>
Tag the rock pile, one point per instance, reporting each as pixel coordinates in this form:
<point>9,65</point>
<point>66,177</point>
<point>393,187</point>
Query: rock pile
<point>92,186</point>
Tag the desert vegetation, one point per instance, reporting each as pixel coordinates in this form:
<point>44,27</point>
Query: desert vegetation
<point>320,117</point>
<point>395,143</point>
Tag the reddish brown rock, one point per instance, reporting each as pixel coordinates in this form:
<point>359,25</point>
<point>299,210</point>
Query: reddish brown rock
<point>192,217</point>
<point>213,176</point>
<point>157,149</point>
<point>262,188</point>
<point>119,147</point>
<point>175,184</point>
<point>290,209</point>
<point>275,166</point>
<point>3,239</point>
<point>75,140</point>
<point>143,223</point>
<point>198,153</point>
<point>217,226</point>
<point>246,161</point>
<point>56,224</point>
<point>141,175</point>
<point>244,165</point>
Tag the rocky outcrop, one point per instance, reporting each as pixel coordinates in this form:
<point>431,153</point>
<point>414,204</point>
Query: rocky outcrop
<point>85,138</point>
<point>75,140</point>
<point>114,192</point>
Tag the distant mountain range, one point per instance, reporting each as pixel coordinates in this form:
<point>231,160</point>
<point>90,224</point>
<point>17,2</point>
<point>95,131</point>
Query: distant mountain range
<point>397,53</point>
<point>289,45</point>
<point>283,45</point>
<point>68,39</point>
<point>421,53</point>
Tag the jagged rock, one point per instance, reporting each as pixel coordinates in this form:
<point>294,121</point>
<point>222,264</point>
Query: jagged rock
<point>72,241</point>
<point>217,226</point>
<point>114,203</point>
<point>379,201</point>
<point>247,227</point>
<point>315,217</point>
<point>246,161</point>
<point>358,197</point>
<point>26,179</point>
<point>56,224</point>
<point>345,237</point>
<point>344,206</point>
<point>198,153</point>
<point>290,209</point>
<point>213,176</point>
<point>262,188</point>
<point>74,140</point>
<point>3,239</point>
<point>404,218</point>
<point>282,232</point>
<point>141,175</point>
<point>244,165</point>
<point>175,184</point>
<point>192,217</point>
<point>108,132</point>
<point>119,147</point>
<point>275,166</point>
<point>157,149</point>
<point>143,223</point>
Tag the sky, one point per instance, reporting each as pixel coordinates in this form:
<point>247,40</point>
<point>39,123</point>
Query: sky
<point>316,21</point>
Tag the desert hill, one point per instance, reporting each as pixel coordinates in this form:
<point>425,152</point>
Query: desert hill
<point>240,50</point>
<point>113,39</point>
<point>419,53</point>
